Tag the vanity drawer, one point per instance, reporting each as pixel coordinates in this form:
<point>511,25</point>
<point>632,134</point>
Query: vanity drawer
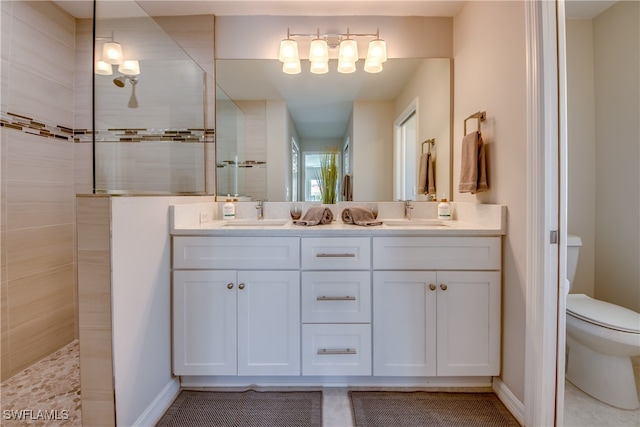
<point>329,297</point>
<point>247,253</point>
<point>336,349</point>
<point>441,253</point>
<point>336,253</point>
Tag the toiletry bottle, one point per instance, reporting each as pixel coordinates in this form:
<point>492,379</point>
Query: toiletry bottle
<point>229,210</point>
<point>444,210</point>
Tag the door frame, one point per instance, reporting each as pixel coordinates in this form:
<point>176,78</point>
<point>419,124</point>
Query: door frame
<point>546,201</point>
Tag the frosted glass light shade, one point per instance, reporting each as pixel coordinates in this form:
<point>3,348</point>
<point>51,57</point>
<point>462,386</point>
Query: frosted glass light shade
<point>103,68</point>
<point>291,67</point>
<point>318,51</point>
<point>320,67</point>
<point>377,51</point>
<point>348,51</point>
<point>112,53</point>
<point>130,67</point>
<point>346,67</point>
<point>372,66</point>
<point>288,51</point>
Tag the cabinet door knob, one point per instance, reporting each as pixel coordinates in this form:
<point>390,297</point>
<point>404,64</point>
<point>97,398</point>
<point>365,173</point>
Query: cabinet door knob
<point>229,285</point>
<point>432,287</point>
<point>241,286</point>
<point>443,287</point>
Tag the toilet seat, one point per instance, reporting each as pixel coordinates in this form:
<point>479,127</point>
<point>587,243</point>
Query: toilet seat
<point>602,313</point>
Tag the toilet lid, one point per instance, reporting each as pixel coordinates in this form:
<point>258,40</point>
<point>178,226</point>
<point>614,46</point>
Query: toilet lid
<point>603,313</point>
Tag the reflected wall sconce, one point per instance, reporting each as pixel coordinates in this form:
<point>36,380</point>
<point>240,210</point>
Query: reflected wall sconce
<point>112,55</point>
<point>319,52</point>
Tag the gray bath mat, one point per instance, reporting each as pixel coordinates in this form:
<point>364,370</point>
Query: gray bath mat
<point>412,409</point>
<point>247,409</point>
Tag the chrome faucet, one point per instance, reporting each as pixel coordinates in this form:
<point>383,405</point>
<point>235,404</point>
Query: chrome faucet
<point>407,209</point>
<point>260,209</point>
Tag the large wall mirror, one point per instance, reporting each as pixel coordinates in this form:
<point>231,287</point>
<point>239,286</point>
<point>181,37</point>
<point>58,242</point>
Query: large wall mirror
<point>272,127</point>
<point>268,119</point>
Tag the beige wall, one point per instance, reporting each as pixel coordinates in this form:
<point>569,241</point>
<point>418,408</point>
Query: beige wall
<point>617,135</point>
<point>581,199</point>
<point>490,74</point>
<point>38,295</point>
<point>604,151</point>
<point>371,150</point>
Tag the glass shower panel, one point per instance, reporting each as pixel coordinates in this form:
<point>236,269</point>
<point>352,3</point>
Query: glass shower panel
<point>149,128</point>
<point>230,147</point>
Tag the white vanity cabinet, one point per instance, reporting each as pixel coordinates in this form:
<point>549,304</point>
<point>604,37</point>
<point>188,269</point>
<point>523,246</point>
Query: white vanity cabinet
<point>336,306</point>
<point>436,306</point>
<point>240,321</point>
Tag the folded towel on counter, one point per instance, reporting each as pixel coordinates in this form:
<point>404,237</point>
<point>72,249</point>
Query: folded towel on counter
<point>427,175</point>
<point>359,216</point>
<point>316,215</point>
<point>473,168</point>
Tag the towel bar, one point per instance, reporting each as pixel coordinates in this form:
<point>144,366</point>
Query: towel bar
<point>480,116</point>
<point>431,142</point>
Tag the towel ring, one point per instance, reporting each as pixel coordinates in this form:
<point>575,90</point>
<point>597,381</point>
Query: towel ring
<point>481,116</point>
<point>430,142</point>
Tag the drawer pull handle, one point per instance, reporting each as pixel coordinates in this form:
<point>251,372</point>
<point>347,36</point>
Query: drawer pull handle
<point>443,287</point>
<point>432,287</point>
<point>345,255</point>
<point>241,286</point>
<point>335,351</point>
<point>229,285</point>
<point>347,298</point>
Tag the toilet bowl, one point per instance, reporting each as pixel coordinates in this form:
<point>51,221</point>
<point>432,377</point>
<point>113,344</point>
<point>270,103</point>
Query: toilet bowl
<point>601,339</point>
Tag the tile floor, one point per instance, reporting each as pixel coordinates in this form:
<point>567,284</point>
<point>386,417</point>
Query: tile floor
<point>45,394</point>
<point>51,388</point>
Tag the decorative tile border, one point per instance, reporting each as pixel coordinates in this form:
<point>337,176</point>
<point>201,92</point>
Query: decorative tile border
<point>153,135</point>
<point>31,126</point>
<point>245,164</point>
<point>39,128</point>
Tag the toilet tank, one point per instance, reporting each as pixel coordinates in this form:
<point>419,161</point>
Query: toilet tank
<point>573,250</point>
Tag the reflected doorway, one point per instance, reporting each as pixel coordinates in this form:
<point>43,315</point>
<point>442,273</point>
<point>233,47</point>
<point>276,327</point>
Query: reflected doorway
<point>404,154</point>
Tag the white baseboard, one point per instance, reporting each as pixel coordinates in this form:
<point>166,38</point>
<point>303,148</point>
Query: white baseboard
<point>509,400</point>
<point>160,404</point>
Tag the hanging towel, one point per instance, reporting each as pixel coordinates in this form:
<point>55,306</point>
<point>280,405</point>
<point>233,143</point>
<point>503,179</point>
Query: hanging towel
<point>316,215</point>
<point>346,188</point>
<point>359,216</point>
<point>473,168</point>
<point>427,175</point>
<point>431,175</point>
<point>422,173</point>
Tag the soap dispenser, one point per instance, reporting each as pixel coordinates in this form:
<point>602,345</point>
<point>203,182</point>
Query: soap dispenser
<point>229,210</point>
<point>444,209</point>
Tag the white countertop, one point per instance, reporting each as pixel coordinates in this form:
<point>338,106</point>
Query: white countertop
<point>471,220</point>
<point>336,228</point>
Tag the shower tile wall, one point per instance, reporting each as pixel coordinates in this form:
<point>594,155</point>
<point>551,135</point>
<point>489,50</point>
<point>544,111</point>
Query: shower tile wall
<point>38,289</point>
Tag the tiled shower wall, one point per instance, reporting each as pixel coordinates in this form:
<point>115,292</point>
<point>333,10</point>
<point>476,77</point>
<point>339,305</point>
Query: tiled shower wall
<point>38,294</point>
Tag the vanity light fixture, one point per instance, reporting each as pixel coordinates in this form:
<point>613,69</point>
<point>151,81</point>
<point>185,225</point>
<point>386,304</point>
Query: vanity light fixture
<point>319,52</point>
<point>112,55</point>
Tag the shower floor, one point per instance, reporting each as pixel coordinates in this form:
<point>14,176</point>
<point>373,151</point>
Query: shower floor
<point>46,393</point>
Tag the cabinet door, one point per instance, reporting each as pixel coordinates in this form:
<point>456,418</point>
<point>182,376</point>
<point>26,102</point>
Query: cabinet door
<point>268,323</point>
<point>404,323</point>
<point>468,323</point>
<point>204,323</point>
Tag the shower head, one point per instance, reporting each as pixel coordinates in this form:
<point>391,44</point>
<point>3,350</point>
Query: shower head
<point>120,81</point>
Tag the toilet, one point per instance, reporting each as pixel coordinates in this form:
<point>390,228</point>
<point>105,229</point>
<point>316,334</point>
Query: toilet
<point>601,339</point>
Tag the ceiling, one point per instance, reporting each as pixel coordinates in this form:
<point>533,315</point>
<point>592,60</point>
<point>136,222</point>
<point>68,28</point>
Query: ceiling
<point>576,9</point>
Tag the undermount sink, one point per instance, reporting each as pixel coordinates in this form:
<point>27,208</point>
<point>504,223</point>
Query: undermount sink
<point>415,223</point>
<point>256,223</point>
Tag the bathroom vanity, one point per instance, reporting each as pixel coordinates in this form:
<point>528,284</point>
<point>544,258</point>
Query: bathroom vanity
<point>407,302</point>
